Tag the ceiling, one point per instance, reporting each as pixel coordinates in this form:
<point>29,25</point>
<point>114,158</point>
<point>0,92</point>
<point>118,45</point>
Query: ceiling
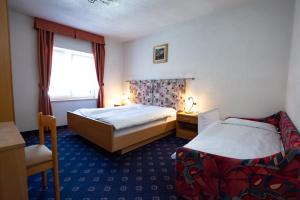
<point>131,19</point>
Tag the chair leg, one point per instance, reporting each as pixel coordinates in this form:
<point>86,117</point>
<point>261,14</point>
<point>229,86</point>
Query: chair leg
<point>44,177</point>
<point>56,181</point>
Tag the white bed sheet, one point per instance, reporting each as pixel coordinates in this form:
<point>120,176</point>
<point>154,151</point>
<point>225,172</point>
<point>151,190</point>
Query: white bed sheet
<point>126,131</point>
<point>236,141</point>
<point>127,116</point>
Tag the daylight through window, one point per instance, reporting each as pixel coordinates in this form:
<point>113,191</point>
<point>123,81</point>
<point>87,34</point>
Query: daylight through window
<point>73,75</point>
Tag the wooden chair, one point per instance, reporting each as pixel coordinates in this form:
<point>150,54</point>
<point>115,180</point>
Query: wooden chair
<point>39,158</point>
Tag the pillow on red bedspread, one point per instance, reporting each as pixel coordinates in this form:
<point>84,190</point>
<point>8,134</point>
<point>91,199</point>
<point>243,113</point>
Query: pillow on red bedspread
<point>289,135</point>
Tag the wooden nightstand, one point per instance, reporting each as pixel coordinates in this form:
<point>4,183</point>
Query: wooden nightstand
<point>186,125</point>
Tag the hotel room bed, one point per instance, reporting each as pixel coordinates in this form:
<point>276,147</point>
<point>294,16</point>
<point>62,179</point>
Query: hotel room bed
<point>124,135</point>
<point>123,128</point>
<point>247,167</point>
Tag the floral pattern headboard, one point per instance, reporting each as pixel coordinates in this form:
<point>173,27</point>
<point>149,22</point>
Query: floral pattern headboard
<point>141,91</point>
<point>165,93</point>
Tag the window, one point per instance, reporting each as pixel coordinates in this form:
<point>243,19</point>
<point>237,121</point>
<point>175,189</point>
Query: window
<point>73,75</point>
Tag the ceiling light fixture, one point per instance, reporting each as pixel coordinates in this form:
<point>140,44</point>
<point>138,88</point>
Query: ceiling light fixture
<point>107,2</point>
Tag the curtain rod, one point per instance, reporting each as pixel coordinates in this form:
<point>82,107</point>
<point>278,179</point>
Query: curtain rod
<point>163,79</point>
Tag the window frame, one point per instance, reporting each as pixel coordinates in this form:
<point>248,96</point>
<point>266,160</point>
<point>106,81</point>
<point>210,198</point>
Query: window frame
<point>71,97</point>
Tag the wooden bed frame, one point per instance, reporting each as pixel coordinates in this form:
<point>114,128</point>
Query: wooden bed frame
<point>102,133</point>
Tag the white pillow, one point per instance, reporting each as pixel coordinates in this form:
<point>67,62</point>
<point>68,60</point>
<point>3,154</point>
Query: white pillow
<point>207,118</point>
<point>249,123</point>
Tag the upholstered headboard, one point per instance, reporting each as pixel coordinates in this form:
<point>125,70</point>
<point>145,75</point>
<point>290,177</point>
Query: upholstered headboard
<point>141,91</point>
<point>165,93</point>
<point>289,133</point>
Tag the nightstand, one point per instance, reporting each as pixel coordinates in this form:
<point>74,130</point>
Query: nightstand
<point>186,125</point>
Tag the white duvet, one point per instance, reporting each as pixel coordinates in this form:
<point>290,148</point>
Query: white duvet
<point>235,138</point>
<point>127,116</point>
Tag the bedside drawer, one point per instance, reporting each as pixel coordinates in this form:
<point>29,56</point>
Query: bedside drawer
<point>187,119</point>
<point>186,134</point>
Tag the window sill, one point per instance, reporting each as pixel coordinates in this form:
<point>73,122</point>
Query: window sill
<point>70,99</point>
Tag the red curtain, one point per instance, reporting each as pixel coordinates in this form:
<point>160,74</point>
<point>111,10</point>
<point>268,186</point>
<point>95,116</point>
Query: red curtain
<point>99,57</point>
<point>45,51</point>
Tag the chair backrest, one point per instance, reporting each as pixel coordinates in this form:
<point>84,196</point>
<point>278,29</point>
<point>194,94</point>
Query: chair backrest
<point>48,122</point>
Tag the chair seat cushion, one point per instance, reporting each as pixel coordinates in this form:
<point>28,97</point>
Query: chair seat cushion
<point>37,154</point>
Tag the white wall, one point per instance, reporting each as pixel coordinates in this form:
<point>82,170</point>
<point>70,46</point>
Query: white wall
<point>293,89</point>
<point>239,57</point>
<point>25,72</point>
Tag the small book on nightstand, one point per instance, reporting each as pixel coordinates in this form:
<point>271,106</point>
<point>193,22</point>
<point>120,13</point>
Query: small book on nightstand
<point>187,125</point>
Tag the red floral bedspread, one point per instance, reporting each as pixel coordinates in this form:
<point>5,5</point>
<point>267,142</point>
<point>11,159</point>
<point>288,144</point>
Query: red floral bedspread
<point>200,175</point>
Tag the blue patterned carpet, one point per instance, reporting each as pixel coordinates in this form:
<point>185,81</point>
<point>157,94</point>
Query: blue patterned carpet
<point>87,172</point>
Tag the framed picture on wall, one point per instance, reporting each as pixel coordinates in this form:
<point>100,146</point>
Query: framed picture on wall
<point>160,53</point>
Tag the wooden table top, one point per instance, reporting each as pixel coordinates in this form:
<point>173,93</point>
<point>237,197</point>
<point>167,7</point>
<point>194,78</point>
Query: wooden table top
<point>10,137</point>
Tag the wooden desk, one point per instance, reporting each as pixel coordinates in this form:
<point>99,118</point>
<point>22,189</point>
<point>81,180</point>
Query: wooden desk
<point>13,178</point>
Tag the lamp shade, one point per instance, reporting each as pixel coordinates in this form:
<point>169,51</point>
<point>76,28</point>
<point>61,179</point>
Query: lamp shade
<point>189,104</point>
